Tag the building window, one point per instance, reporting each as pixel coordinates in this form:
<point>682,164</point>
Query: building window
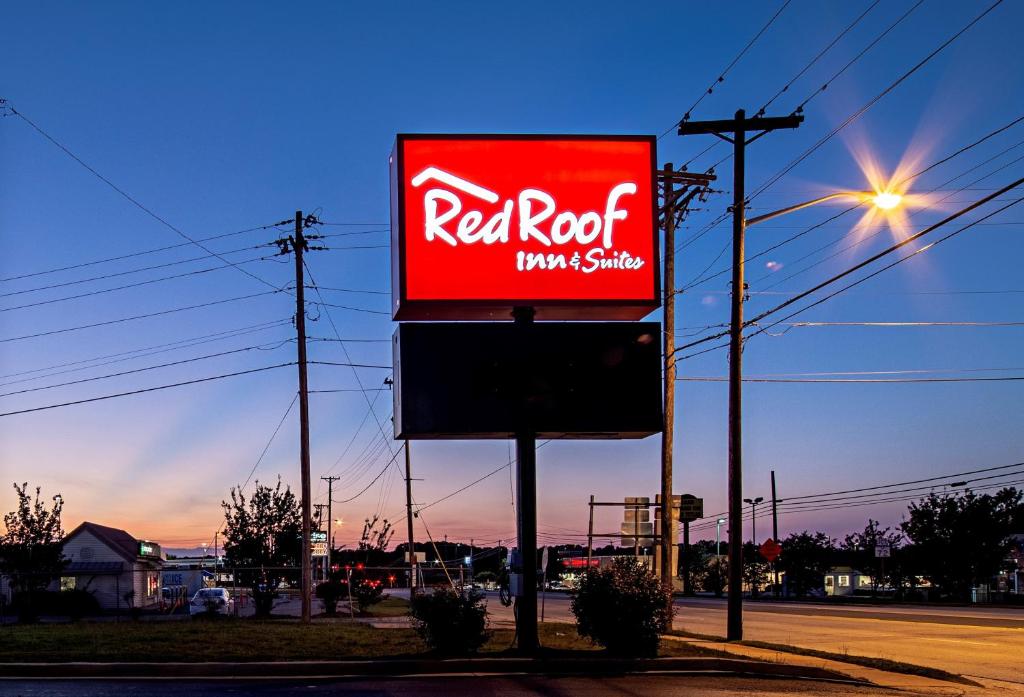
<point>844,581</point>
<point>152,584</point>
<point>863,581</point>
<point>67,583</point>
<point>830,581</point>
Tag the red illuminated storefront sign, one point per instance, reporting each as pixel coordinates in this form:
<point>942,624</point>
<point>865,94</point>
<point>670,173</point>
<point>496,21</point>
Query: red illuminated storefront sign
<point>580,562</point>
<point>483,223</point>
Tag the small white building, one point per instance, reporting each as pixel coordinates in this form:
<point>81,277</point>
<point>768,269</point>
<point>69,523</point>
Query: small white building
<point>845,580</point>
<point>119,570</point>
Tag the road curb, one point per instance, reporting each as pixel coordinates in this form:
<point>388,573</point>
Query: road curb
<point>418,667</point>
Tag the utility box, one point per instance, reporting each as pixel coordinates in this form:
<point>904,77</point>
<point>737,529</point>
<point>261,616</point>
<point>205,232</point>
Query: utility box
<point>556,380</point>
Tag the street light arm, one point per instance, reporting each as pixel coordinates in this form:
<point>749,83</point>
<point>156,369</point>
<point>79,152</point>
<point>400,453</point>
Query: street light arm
<point>839,194</point>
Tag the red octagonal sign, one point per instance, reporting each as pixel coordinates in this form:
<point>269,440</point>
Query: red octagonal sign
<point>564,224</point>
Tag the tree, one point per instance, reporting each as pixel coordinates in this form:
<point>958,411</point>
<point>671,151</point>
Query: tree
<point>372,539</point>
<point>32,549</point>
<point>860,546</point>
<point>805,559</point>
<point>263,531</point>
<point>755,568</point>
<point>964,540</point>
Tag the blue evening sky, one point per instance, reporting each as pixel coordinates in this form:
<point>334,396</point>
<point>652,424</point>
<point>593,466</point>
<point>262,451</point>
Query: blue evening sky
<point>224,116</point>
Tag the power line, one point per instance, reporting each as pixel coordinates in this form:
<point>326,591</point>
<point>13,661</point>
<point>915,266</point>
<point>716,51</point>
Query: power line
<point>137,254</point>
<point>144,316</point>
<point>379,475</point>
<point>721,77</point>
<point>135,201</point>
<point>349,307</point>
<point>128,286</point>
<point>856,58</point>
<point>145,351</point>
<point>865,238</point>
<point>147,389</point>
<point>263,454</point>
<point>133,371</point>
<point>875,257</point>
<point>694,378</point>
<point>869,260</point>
<point>353,290</point>
<point>820,54</point>
<point>129,272</point>
<point>857,114</point>
<point>709,226</point>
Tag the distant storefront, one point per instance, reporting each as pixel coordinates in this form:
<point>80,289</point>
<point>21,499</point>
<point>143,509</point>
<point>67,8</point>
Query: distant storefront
<point>119,570</point>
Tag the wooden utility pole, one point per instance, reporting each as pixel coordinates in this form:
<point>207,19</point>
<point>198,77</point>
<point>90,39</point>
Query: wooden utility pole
<point>408,519</point>
<point>590,533</point>
<point>775,536</point>
<point>669,375</point>
<point>674,203</point>
<point>737,128</point>
<point>298,243</point>
<point>330,515</point>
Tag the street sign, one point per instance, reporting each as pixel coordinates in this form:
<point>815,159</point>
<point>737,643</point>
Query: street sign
<point>420,557</point>
<point>691,508</point>
<point>481,224</point>
<point>883,550</point>
<point>544,559</point>
<point>318,536</point>
<point>319,549</point>
<point>770,550</point>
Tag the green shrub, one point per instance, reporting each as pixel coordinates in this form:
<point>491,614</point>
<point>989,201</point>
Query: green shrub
<point>330,592</point>
<point>623,608</point>
<point>367,593</point>
<point>78,603</point>
<point>450,622</point>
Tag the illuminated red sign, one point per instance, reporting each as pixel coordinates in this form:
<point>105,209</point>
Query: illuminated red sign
<point>565,224</point>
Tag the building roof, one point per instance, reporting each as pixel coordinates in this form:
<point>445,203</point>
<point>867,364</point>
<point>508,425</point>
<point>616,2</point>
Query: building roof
<point>118,540</point>
<point>94,567</point>
<point>844,570</point>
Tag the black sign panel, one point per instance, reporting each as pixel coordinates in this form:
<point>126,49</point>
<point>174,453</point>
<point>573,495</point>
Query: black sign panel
<point>557,380</point>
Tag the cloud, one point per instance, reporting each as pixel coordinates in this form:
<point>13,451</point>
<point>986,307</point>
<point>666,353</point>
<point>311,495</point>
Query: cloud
<point>773,266</point>
<point>709,301</point>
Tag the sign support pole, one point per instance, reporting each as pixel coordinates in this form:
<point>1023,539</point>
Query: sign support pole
<point>408,521</point>
<point>526,461</point>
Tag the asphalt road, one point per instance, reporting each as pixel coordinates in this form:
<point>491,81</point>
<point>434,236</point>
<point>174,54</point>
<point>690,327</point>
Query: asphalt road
<point>971,641</point>
<point>478,686</point>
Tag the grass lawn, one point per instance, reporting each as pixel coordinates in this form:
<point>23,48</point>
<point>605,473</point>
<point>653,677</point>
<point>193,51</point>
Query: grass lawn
<point>230,639</point>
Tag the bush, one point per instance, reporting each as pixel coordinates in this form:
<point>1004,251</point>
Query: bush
<point>78,603</point>
<point>449,622</point>
<point>330,592</point>
<point>367,593</point>
<point>623,608</point>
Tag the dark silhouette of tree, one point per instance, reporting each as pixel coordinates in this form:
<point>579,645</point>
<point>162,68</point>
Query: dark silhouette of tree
<point>374,539</point>
<point>261,535</point>
<point>32,548</point>
<point>963,540</point>
<point>860,550</point>
<point>805,559</point>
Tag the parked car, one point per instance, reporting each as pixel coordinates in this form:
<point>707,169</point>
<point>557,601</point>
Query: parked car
<point>211,599</point>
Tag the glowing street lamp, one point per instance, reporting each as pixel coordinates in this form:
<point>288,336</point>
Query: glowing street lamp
<point>883,200</point>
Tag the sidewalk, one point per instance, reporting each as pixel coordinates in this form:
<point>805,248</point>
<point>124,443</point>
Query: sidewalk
<point>896,681</point>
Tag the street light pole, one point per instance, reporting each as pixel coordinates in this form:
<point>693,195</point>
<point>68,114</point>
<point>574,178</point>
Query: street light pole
<point>735,131</point>
<point>753,534</point>
<point>718,536</point>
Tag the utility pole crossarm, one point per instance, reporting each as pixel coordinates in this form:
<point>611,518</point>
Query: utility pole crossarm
<point>731,126</point>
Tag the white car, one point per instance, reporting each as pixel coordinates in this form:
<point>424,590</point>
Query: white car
<point>216,599</point>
